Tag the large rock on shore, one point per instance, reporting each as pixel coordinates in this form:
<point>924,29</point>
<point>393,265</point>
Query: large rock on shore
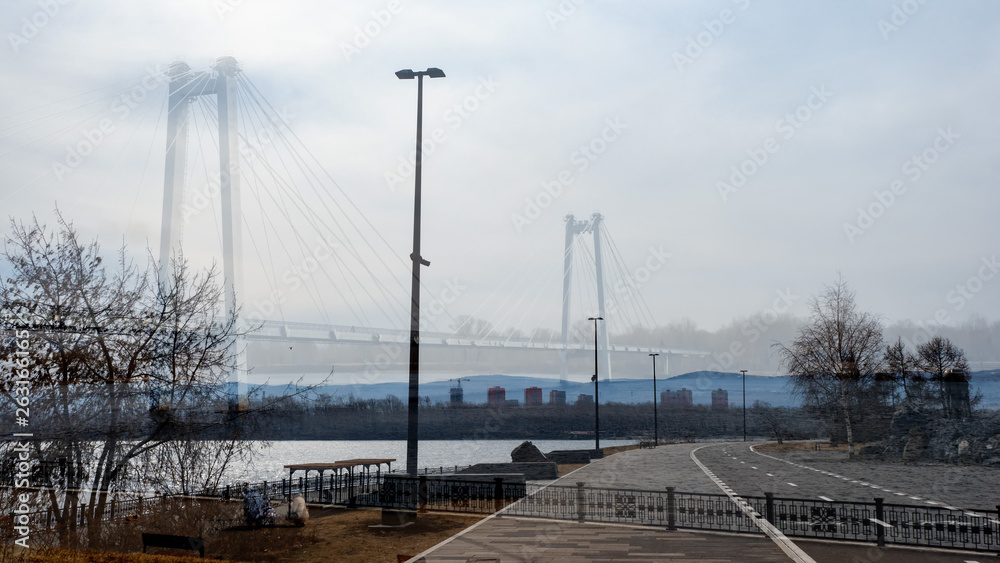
<point>527,453</point>
<point>915,445</point>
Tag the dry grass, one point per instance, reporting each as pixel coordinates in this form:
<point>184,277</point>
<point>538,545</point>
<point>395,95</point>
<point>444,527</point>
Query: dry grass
<point>345,536</point>
<point>564,469</point>
<point>338,535</point>
<point>69,556</point>
<point>330,535</point>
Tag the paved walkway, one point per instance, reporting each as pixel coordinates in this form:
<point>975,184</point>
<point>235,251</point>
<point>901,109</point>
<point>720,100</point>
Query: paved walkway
<point>522,540</point>
<point>510,540</point>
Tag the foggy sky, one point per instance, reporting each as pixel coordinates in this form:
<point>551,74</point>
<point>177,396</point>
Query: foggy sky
<point>749,151</point>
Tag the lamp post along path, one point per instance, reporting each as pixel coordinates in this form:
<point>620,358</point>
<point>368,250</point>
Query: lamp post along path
<point>656,419</point>
<point>597,417</point>
<point>744,372</point>
<point>413,403</point>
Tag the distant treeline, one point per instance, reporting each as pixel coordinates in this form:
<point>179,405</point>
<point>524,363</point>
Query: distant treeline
<point>386,419</point>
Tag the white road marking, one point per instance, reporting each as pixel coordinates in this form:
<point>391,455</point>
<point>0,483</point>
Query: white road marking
<point>835,475</point>
<point>770,474</point>
<point>827,499</point>
<point>791,550</point>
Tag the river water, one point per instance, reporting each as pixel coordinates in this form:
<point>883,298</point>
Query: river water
<point>270,462</point>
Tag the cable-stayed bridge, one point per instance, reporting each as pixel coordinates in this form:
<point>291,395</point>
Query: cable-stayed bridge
<point>239,183</point>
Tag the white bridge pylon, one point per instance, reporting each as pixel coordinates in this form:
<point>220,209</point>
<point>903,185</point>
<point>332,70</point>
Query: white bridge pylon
<point>184,87</point>
<point>573,228</point>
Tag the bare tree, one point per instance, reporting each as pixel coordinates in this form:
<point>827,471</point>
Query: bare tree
<point>118,365</point>
<point>836,355</point>
<point>467,325</point>
<point>773,418</point>
<point>936,357</point>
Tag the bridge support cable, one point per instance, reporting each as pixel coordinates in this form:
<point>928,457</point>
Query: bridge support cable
<point>283,183</point>
<point>602,328</point>
<point>537,290</point>
<point>278,133</point>
<point>635,296</point>
<point>22,127</point>
<point>319,186</point>
<point>145,165</point>
<point>537,281</point>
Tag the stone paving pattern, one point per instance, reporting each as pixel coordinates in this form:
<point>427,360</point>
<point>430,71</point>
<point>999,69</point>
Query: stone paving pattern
<point>522,540</point>
<point>536,541</point>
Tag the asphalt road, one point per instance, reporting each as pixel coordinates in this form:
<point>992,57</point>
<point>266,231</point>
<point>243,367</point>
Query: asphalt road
<point>830,476</point>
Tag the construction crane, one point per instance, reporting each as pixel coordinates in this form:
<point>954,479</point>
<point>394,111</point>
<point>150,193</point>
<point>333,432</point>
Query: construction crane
<point>456,393</point>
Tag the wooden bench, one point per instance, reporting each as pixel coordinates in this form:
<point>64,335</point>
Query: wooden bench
<point>167,541</point>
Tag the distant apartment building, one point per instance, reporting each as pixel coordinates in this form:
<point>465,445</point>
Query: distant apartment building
<point>720,399</point>
<point>557,397</point>
<point>681,398</point>
<point>583,399</point>
<point>511,403</point>
<point>532,396</point>
<point>457,395</point>
<point>496,396</point>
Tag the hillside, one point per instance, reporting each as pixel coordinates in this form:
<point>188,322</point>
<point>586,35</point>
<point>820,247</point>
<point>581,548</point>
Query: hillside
<point>773,390</point>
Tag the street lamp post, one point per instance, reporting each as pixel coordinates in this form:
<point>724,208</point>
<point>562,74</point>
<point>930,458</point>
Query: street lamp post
<point>414,397</point>
<point>597,418</point>
<point>656,419</point>
<point>744,372</point>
